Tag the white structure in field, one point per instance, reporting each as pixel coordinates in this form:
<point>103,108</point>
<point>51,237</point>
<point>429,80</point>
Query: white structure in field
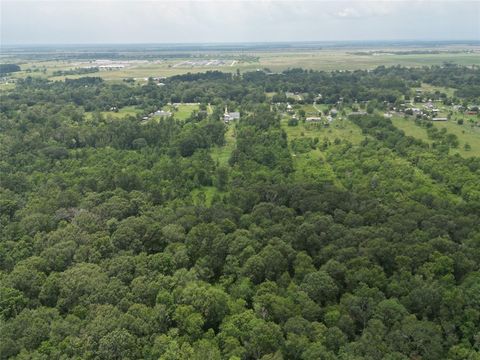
<point>229,116</point>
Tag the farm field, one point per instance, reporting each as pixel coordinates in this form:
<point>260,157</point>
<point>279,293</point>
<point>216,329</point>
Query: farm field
<point>276,61</point>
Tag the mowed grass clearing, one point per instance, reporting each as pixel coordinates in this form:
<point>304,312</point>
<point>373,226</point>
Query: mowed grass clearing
<point>204,195</point>
<point>465,133</point>
<point>312,165</point>
<point>221,154</point>
<point>342,129</point>
<point>182,111</point>
<point>120,114</point>
<point>432,89</point>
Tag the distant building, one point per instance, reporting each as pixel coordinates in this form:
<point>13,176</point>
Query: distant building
<point>111,66</point>
<point>313,119</point>
<point>162,113</point>
<point>439,119</point>
<point>230,116</point>
<point>429,104</point>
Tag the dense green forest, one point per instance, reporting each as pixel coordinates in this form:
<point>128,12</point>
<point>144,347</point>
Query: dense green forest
<point>125,238</point>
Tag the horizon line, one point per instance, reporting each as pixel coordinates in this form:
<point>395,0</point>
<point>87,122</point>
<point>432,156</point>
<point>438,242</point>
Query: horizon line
<point>247,42</point>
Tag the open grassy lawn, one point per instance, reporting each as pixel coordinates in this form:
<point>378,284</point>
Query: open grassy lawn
<point>205,194</point>
<point>122,112</point>
<point>432,88</point>
<point>342,129</point>
<point>410,128</point>
<point>181,111</point>
<point>312,165</point>
<point>465,133</point>
<point>6,87</point>
<point>221,154</point>
<point>309,109</point>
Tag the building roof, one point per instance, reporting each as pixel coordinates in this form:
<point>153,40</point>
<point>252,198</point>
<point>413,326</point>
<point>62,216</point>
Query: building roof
<point>162,113</point>
<point>231,116</point>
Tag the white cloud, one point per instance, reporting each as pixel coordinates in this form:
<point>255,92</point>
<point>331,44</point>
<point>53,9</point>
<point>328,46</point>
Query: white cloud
<point>155,21</point>
<point>348,13</point>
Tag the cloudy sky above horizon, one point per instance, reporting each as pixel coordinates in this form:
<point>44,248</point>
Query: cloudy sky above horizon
<point>159,21</point>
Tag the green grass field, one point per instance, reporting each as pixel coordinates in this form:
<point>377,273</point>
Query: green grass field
<point>340,128</point>
<point>204,195</point>
<point>312,165</point>
<point>6,87</point>
<point>432,89</point>
<point>122,112</point>
<point>465,133</point>
<point>221,154</point>
<point>181,111</point>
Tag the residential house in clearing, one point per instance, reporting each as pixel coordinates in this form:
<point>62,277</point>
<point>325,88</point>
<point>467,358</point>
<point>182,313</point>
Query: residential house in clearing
<point>230,116</point>
<point>162,113</point>
<point>313,119</point>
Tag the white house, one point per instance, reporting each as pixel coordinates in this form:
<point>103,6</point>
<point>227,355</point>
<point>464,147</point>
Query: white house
<point>229,116</point>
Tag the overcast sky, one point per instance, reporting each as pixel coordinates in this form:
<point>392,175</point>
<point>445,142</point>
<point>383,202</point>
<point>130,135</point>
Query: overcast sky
<point>155,21</point>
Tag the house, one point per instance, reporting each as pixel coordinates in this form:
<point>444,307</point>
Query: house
<point>472,110</point>
<point>289,108</point>
<point>313,119</point>
<point>162,113</point>
<point>429,105</point>
<point>229,116</point>
<point>439,119</point>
